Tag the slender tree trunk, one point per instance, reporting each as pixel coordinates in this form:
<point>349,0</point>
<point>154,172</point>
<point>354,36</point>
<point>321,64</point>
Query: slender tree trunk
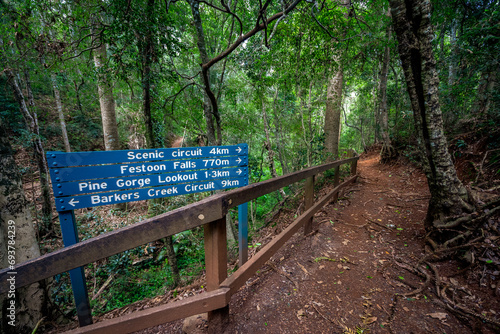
<point>279,135</point>
<point>60,113</point>
<point>485,92</point>
<point>332,113</point>
<point>414,32</point>
<point>452,66</point>
<point>388,152</point>
<point>106,101</point>
<point>333,108</point>
<point>377,117</point>
<point>18,244</point>
<point>147,51</point>
<point>107,104</point>
<point>210,107</point>
<point>77,95</point>
<point>268,146</point>
<point>31,120</point>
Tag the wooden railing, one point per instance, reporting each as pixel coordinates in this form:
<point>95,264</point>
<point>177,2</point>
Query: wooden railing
<point>210,213</point>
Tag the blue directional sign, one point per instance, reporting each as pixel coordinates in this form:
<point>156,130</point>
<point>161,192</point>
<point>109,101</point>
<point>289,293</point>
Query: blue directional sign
<point>62,159</point>
<point>128,169</point>
<point>115,197</point>
<point>88,179</point>
<point>62,189</point>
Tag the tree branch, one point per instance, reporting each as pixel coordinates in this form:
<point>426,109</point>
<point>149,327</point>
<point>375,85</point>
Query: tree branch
<point>246,36</point>
<point>174,97</point>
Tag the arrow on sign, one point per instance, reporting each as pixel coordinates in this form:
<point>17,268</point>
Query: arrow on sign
<point>73,202</point>
<point>239,171</point>
<point>239,160</point>
<point>238,149</point>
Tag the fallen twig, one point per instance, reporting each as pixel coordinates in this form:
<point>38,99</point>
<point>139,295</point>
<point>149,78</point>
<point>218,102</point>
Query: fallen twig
<point>281,272</point>
<point>110,278</point>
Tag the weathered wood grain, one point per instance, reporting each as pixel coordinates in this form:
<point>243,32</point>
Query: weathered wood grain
<point>154,316</point>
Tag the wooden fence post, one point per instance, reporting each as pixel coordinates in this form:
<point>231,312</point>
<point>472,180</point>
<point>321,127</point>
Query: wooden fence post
<point>308,202</point>
<point>354,166</point>
<point>336,182</point>
<point>216,269</point>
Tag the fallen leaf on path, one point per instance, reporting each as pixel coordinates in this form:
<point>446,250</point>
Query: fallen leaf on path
<point>438,315</point>
<point>370,320</point>
<point>345,242</point>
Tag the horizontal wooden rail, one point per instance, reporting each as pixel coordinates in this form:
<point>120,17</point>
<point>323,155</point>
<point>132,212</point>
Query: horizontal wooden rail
<point>170,223</point>
<point>205,302</point>
<point>211,300</point>
<point>255,190</point>
<point>240,276</point>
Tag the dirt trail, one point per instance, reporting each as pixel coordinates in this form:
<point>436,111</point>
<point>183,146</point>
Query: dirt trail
<point>345,277</point>
<point>348,276</point>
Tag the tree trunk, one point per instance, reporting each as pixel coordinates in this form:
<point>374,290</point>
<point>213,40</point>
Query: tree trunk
<point>279,135</point>
<point>268,146</point>
<point>106,101</point>
<point>415,33</point>
<point>107,104</point>
<point>333,108</point>
<point>452,67</point>
<point>31,120</point>
<point>485,93</point>
<point>332,114</point>
<point>60,113</point>
<point>77,94</point>
<point>18,244</point>
<point>388,152</point>
<point>147,51</point>
<point>210,107</point>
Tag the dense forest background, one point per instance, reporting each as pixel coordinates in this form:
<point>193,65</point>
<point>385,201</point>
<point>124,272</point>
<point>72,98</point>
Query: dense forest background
<point>301,82</point>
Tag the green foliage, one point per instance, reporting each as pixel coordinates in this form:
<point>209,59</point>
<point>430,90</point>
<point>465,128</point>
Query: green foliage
<point>283,70</point>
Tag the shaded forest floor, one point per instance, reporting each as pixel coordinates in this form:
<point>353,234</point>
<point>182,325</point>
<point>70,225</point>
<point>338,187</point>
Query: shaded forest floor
<point>349,275</point>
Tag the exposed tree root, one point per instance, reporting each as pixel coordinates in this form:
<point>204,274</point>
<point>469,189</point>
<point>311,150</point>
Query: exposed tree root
<point>459,230</point>
<point>387,153</point>
<point>441,288</point>
<point>474,237</point>
<point>454,307</point>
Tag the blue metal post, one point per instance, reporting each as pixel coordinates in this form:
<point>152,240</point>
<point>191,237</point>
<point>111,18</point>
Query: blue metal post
<point>77,275</point>
<point>243,233</point>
